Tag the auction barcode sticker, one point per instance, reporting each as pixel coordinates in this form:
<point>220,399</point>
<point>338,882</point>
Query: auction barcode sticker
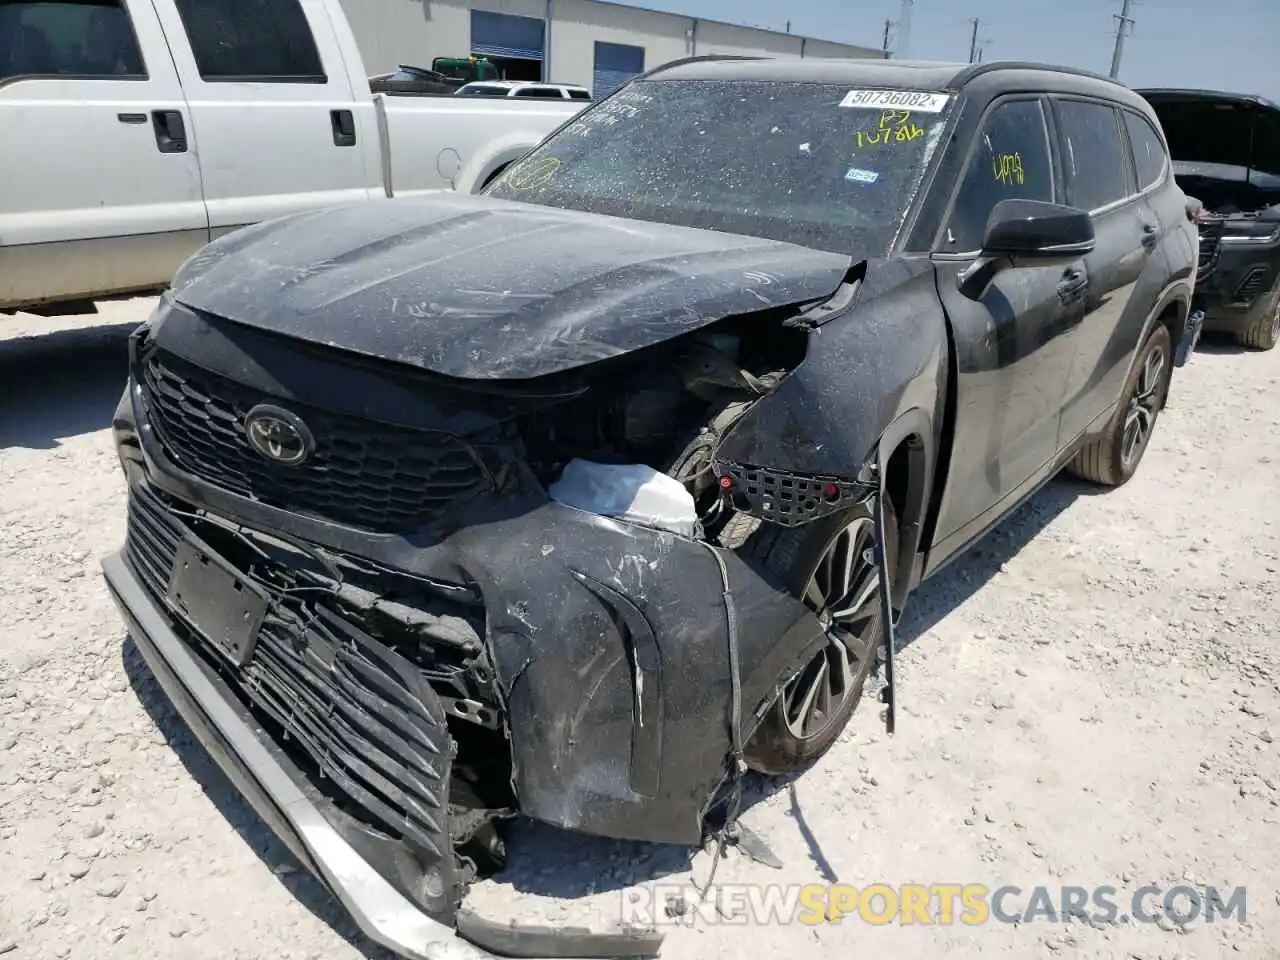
<point>920,100</point>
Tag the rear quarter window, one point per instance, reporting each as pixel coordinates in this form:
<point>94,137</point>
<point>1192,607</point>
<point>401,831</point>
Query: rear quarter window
<point>1149,157</point>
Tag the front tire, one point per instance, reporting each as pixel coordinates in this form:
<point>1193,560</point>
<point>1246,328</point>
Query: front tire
<point>1114,457</point>
<point>1264,332</point>
<point>830,566</point>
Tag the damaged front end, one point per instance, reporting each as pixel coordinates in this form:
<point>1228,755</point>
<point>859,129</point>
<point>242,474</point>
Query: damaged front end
<point>409,589</point>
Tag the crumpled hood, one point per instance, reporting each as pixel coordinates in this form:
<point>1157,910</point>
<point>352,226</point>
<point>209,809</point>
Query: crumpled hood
<point>478,288</point>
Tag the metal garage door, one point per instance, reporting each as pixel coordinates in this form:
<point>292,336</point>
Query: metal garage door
<point>503,35</point>
<point>616,63</point>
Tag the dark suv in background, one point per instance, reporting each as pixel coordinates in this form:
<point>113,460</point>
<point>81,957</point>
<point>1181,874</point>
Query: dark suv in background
<point>1226,154</point>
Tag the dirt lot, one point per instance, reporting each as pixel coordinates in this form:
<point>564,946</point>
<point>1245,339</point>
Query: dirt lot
<point>1091,698</point>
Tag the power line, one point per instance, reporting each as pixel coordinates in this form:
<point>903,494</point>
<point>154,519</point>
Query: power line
<point>1124,23</point>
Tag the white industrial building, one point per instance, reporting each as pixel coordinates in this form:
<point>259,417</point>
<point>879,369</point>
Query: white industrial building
<point>594,43</point>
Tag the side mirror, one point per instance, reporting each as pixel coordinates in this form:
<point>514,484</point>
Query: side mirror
<point>1033,230</point>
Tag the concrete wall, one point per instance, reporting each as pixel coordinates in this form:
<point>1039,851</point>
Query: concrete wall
<point>744,41</point>
<point>825,48</point>
<point>578,24</point>
<point>391,32</point>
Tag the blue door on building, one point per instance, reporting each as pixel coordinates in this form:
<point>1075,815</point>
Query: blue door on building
<point>504,37</point>
<point>615,64</point>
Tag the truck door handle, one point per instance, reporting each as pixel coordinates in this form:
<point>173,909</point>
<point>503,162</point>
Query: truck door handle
<point>344,128</point>
<point>170,130</point>
<point>1072,285</point>
<point>1150,235</point>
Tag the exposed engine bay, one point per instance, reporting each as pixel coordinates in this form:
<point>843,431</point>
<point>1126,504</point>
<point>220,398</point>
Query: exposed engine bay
<point>668,407</point>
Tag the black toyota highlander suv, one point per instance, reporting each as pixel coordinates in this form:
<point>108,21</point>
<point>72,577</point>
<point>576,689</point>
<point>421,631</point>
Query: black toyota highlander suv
<point>576,499</point>
<point>1226,154</point>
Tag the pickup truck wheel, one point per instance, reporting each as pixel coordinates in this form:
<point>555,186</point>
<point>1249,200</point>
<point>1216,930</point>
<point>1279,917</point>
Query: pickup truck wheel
<point>1114,457</point>
<point>1264,332</point>
<point>830,566</point>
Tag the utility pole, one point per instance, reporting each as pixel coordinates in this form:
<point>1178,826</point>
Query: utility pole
<point>904,29</point>
<point>888,25</point>
<point>973,41</point>
<point>1122,27</point>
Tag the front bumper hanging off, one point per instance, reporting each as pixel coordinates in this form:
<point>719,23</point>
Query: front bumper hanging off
<point>280,794</point>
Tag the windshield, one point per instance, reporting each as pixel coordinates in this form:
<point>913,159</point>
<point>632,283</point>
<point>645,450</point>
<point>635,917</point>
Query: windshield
<point>814,164</point>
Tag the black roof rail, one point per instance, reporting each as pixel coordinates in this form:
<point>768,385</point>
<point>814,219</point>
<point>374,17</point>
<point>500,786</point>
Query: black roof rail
<point>700,58</point>
<point>991,66</point>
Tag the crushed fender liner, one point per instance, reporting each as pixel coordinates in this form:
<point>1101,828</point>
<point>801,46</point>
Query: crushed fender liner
<point>295,811</point>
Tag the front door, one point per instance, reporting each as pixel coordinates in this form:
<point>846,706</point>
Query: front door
<point>99,189</point>
<point>279,124</point>
<point>1011,338</point>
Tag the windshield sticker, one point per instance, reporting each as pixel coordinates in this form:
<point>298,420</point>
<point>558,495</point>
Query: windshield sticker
<point>531,176</point>
<point>1007,168</point>
<point>896,126</point>
<point>858,175</point>
<point>900,99</point>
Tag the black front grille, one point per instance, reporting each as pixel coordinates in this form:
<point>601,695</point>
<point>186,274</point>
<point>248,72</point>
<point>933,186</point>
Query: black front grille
<point>363,473</point>
<point>360,714</point>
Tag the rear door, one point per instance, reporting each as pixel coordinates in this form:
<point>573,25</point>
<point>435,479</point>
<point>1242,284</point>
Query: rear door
<point>1011,342</point>
<point>95,144</point>
<point>272,103</point>
<point>1126,269</point>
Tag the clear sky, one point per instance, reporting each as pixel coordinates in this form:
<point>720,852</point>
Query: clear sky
<point>1218,44</point>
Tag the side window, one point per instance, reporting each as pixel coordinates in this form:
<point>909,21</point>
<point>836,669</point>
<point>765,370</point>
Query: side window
<point>1093,155</point>
<point>1149,158</point>
<point>540,93</point>
<point>252,40</point>
<point>1011,161</point>
<point>61,38</point>
<point>579,95</point>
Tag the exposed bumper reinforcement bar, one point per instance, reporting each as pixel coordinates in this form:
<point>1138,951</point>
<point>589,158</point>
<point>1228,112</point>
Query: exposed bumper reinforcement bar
<point>382,912</point>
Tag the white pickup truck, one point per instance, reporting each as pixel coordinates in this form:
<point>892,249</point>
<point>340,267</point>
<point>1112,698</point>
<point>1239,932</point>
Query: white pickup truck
<point>132,132</point>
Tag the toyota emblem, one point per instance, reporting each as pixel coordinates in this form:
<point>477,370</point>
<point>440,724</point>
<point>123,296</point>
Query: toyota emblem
<point>278,435</point>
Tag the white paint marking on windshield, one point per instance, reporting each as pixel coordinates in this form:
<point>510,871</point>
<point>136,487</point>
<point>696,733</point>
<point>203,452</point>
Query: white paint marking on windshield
<point>918,100</point>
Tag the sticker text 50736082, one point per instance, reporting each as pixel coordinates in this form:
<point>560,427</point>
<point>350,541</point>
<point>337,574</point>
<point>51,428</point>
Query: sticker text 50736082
<point>921,101</point>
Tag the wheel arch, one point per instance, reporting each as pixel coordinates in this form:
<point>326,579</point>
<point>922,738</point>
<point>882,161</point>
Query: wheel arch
<point>1172,310</point>
<point>906,457</point>
<point>495,157</point>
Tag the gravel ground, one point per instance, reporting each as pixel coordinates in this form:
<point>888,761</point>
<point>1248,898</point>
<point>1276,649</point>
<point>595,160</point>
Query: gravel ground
<point>1092,697</point>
